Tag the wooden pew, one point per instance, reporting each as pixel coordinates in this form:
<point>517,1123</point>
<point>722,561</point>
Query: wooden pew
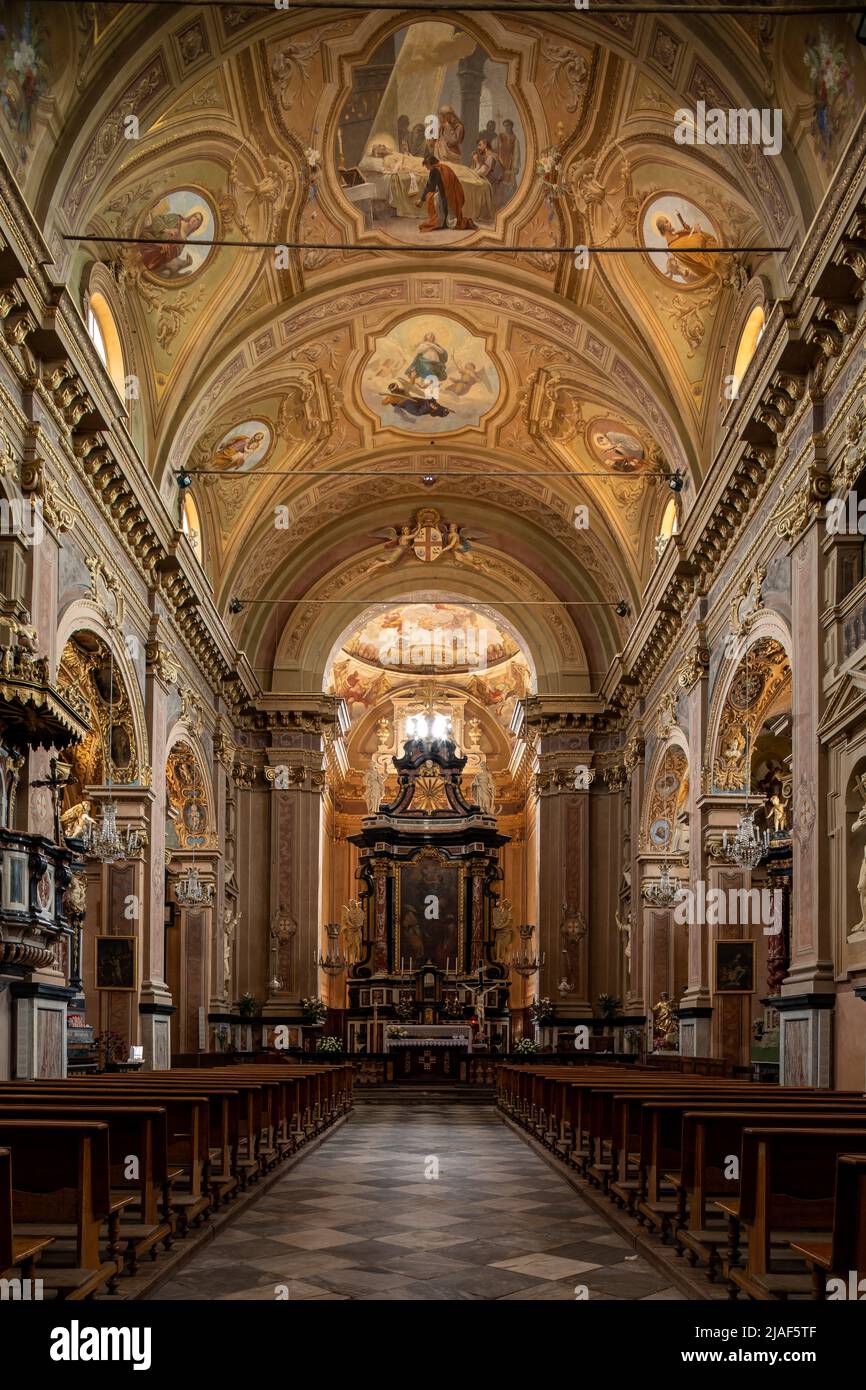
<point>19,1253</point>
<point>61,1184</point>
<point>137,1132</point>
<point>187,1118</point>
<point>844,1249</point>
<point>710,1138</point>
<point>787,1191</point>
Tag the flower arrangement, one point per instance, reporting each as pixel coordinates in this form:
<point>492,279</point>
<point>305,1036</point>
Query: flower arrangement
<point>524,1046</point>
<point>397,1032</point>
<point>247,1005</point>
<point>221,1037</point>
<point>112,1046</point>
<point>541,1010</point>
<point>609,1005</point>
<point>314,1009</point>
<point>633,1039</point>
<point>330,1043</point>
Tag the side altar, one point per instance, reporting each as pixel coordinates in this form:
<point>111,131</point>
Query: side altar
<point>428,869</point>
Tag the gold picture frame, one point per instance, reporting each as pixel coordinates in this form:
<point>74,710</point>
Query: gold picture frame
<point>733,966</point>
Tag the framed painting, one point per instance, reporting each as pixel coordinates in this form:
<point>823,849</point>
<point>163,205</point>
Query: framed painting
<point>429,911</point>
<point>734,967</point>
<point>115,962</point>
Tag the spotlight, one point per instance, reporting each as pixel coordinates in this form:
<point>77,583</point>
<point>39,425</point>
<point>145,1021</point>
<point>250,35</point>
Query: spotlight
<point>183,479</point>
<point>675,481</point>
<point>428,479</point>
<point>622,609</point>
<point>236,605</point>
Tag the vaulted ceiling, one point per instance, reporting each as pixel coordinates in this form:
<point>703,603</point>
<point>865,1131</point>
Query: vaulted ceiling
<point>273,371</point>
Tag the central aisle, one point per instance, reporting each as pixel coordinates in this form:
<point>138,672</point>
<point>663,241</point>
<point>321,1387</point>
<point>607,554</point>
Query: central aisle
<point>363,1218</point>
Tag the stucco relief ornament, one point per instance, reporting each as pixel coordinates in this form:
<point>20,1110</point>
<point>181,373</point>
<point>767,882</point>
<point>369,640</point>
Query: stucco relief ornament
<point>804,813</point>
<point>572,930</point>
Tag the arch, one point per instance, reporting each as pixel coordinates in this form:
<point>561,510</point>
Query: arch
<point>86,616</point>
<point>662,803</point>
<point>766,643</point>
<point>190,822</point>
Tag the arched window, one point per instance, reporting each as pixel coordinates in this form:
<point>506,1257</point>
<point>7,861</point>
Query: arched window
<point>749,338</point>
<point>191,526</point>
<point>668,527</point>
<point>106,339</point>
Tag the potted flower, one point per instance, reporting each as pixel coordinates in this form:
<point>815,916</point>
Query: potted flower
<point>541,1011</point>
<point>247,1005</point>
<point>329,1043</point>
<point>524,1046</point>
<point>609,1006</point>
<point>314,1010</point>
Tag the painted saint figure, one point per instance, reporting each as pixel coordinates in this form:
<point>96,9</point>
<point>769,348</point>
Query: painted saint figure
<point>169,230</point>
<point>444,198</point>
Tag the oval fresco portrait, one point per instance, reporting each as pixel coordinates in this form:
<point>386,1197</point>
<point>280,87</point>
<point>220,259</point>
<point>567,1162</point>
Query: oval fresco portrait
<point>182,216</point>
<point>429,141</point>
<point>615,445</point>
<point>429,375</point>
<point>676,225</point>
<point>242,447</point>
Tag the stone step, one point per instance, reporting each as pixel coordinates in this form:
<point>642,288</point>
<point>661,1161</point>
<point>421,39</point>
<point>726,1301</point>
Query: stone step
<point>425,1093</point>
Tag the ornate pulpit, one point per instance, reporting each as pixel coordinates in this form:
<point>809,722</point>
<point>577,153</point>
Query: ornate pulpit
<point>428,866</point>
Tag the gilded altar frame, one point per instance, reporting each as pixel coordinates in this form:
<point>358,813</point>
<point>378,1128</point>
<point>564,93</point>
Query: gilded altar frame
<point>447,865</point>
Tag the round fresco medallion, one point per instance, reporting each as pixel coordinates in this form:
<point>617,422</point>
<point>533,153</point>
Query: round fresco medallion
<point>672,224</point>
<point>429,375</point>
<point>660,832</point>
<point>615,445</point>
<point>242,447</point>
<point>174,224</point>
<point>430,151</point>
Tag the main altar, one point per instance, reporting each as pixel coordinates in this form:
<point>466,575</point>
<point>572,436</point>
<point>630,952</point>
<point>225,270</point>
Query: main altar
<point>425,983</point>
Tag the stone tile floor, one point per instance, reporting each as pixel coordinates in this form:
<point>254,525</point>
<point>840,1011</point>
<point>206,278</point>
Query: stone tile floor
<point>364,1218</point>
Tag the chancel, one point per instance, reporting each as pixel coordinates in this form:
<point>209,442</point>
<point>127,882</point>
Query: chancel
<point>432,655</point>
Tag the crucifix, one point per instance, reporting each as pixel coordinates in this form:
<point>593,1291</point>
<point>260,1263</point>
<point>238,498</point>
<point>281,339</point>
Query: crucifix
<point>56,782</point>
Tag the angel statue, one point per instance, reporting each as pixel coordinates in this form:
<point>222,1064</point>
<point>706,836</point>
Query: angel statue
<point>352,930</point>
<point>374,789</point>
<point>483,790</point>
<point>77,820</point>
<point>503,931</point>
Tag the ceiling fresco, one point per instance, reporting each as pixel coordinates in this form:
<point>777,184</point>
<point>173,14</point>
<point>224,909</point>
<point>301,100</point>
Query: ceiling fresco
<point>402,321</point>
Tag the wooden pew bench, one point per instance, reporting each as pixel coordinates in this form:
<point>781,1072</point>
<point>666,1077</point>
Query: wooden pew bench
<point>787,1192</point>
<point>18,1254</point>
<point>61,1189</point>
<point>134,1132</point>
<point>843,1248</point>
<point>710,1138</point>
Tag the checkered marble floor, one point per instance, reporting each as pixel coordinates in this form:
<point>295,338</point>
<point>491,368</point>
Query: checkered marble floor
<point>419,1202</point>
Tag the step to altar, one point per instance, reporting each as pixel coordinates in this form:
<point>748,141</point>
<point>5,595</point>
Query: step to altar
<point>425,1093</point>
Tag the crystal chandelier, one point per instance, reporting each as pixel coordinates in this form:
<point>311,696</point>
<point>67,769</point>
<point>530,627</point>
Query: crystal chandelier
<point>189,891</point>
<point>333,962</point>
<point>664,890</point>
<point>106,842</point>
<point>749,845</point>
<point>525,963</point>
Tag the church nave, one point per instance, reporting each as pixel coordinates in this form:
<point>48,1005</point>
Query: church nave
<point>359,1219</point>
